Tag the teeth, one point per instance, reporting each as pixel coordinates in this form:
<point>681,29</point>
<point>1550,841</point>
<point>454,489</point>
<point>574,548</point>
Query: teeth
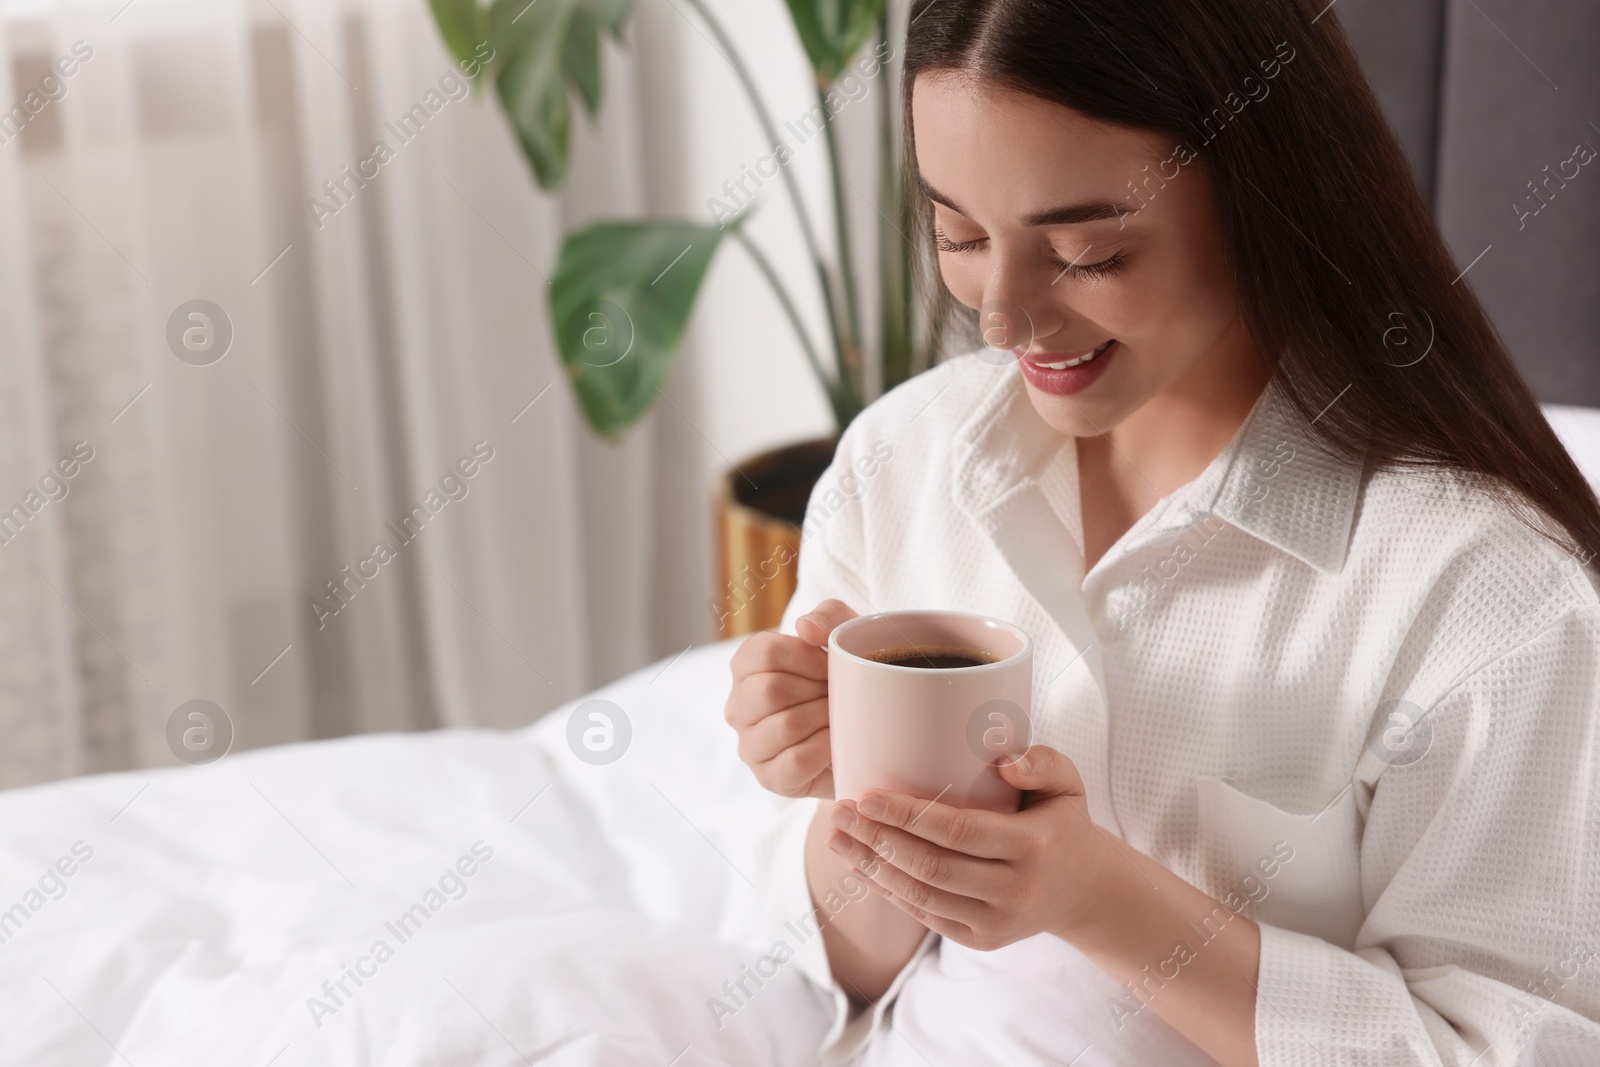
<point>1063,365</point>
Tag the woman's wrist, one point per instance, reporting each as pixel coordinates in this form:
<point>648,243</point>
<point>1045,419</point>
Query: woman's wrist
<point>1121,895</point>
<point>1152,931</point>
<point>867,939</point>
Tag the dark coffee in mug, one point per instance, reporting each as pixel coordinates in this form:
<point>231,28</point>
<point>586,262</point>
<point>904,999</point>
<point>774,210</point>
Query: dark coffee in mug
<point>932,657</point>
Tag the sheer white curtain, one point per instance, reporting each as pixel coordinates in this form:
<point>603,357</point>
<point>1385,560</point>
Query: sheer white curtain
<point>374,348</point>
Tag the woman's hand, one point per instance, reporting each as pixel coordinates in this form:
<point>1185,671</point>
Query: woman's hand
<point>779,704</point>
<point>981,878</point>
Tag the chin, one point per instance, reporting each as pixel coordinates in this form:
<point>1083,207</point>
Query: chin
<point>1078,416</point>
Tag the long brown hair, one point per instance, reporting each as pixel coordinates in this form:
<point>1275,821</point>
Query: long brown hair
<point>1342,276</point>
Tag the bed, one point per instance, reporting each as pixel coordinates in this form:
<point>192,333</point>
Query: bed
<point>532,906</point>
<point>574,893</point>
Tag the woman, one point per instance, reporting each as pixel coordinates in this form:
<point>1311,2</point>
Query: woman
<point>1317,637</point>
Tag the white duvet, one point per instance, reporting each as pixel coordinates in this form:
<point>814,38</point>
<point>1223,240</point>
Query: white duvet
<point>470,897</point>
<point>456,897</point>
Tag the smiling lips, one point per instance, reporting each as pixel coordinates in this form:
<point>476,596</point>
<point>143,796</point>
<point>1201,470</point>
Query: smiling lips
<point>1065,373</point>
<point>1069,359</point>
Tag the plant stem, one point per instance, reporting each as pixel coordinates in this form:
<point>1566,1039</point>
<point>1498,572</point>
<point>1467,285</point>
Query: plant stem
<point>847,274</point>
<point>894,245</point>
<point>794,316</point>
<point>731,54</point>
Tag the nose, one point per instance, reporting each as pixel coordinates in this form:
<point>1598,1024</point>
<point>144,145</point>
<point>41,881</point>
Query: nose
<point>1006,325</point>
<point>1018,309</point>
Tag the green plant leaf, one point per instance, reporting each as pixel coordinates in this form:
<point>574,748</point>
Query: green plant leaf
<point>545,47</point>
<point>832,30</point>
<point>583,45</point>
<point>619,300</point>
<point>463,25</point>
<point>581,59</point>
<point>610,14</point>
<point>530,37</point>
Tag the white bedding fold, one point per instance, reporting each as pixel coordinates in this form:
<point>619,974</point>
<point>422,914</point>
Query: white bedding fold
<point>312,903</point>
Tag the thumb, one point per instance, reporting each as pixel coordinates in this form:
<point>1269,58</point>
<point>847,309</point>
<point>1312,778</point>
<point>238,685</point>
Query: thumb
<point>1043,769</point>
<point>814,627</point>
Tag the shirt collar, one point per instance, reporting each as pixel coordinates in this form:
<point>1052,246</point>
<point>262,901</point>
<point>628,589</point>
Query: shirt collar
<point>1286,486</point>
<point>1275,480</point>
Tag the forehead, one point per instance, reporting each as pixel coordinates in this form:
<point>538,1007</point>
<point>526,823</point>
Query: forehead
<point>1013,152</point>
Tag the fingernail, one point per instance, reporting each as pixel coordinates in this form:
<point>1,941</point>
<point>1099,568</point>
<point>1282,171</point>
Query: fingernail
<point>839,843</point>
<point>843,817</point>
<point>872,805</point>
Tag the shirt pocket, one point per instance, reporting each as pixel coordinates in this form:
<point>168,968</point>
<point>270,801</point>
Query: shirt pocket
<point>1298,872</point>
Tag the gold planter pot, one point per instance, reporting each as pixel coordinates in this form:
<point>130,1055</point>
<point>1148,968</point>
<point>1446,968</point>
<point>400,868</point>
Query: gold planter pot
<point>758,511</point>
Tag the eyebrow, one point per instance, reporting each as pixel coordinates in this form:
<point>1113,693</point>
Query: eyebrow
<point>1066,215</point>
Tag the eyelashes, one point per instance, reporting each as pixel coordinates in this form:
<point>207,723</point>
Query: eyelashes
<point>1110,265</point>
<point>944,243</point>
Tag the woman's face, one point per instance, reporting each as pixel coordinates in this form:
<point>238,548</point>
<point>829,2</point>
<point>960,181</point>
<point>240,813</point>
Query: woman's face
<point>1039,229</point>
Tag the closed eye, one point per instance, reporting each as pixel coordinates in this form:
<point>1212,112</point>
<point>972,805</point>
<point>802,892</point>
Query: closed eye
<point>1099,269</point>
<point>1110,265</point>
<point>944,244</point>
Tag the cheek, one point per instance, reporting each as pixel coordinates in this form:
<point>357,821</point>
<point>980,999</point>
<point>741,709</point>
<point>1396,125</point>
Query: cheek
<point>1201,307</point>
<point>1119,308</point>
<point>962,277</point>
<point>1198,298</point>
<point>1183,301</point>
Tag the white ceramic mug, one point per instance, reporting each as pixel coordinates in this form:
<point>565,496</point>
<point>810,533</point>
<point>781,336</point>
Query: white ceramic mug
<point>929,732</point>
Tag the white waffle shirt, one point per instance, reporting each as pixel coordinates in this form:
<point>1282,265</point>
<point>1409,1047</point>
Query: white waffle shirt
<point>1386,674</point>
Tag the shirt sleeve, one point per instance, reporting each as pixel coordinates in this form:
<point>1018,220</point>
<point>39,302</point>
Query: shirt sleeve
<point>780,853</point>
<point>1481,882</point>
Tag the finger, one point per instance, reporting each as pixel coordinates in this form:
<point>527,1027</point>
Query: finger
<point>757,696</point>
<point>784,729</point>
<point>922,860</point>
<point>939,924</point>
<point>769,650</point>
<point>822,785</point>
<point>1043,769</point>
<point>970,831</point>
<point>929,898</point>
<point>799,764</point>
<point>815,625</point>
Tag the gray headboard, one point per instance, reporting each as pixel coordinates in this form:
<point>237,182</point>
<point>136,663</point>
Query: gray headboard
<point>1485,94</point>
